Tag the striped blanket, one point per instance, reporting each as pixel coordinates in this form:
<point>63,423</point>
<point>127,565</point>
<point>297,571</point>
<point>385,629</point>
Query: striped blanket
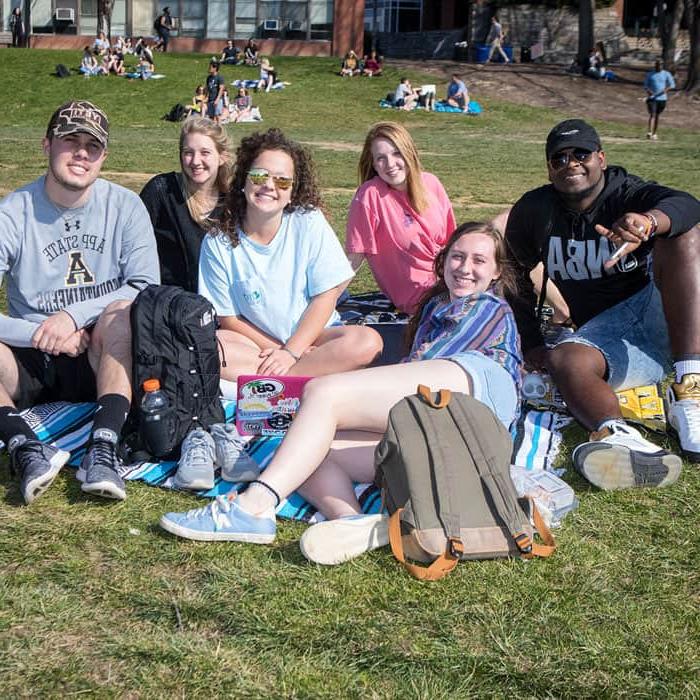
<point>537,440</point>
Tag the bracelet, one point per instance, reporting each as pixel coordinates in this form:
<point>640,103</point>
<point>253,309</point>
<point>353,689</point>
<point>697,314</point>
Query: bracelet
<point>654,223</point>
<point>294,355</point>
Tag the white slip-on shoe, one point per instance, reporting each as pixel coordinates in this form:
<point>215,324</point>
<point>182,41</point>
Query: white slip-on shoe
<point>335,541</point>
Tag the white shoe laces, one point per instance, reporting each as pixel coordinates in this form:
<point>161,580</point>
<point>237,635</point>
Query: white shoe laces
<point>218,508</point>
<point>198,448</point>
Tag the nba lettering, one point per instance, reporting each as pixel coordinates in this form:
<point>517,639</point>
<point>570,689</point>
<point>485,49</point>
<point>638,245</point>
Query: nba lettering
<point>583,260</point>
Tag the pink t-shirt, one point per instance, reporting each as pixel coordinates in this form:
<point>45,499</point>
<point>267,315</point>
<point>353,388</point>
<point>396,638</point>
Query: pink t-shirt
<point>400,245</point>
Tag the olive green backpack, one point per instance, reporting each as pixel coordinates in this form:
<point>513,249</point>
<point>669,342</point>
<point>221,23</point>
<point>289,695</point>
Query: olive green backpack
<point>444,470</point>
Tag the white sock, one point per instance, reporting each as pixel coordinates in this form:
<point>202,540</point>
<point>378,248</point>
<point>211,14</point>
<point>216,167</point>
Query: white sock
<point>684,367</point>
<point>610,422</point>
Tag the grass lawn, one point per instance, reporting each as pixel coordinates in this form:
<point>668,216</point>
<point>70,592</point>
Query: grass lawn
<point>96,600</point>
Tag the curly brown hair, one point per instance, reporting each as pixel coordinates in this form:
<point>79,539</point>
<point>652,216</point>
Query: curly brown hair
<point>306,193</point>
<point>505,284</point>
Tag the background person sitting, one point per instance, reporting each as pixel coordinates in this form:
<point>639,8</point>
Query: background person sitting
<point>231,54</point>
<point>198,105</point>
<point>241,106</point>
<point>88,64</point>
<point>405,96</point>
<point>250,55</point>
<point>268,75</point>
<point>350,65</point>
<point>373,65</point>
<point>100,46</point>
<point>457,93</point>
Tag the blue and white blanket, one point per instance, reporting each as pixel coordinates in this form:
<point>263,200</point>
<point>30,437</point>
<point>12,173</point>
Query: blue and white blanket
<point>537,440</point>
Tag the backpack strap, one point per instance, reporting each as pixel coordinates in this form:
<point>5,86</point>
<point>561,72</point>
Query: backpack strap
<point>437,569</point>
<point>495,480</point>
<point>444,396</point>
<point>436,437</point>
<point>536,549</point>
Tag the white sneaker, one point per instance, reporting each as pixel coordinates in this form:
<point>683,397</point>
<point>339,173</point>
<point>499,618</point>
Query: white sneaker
<point>335,541</point>
<point>683,411</point>
<point>619,458</point>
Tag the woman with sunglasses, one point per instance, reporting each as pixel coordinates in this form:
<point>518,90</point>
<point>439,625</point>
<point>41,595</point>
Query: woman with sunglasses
<point>464,339</point>
<point>275,271</point>
<point>184,205</point>
<point>399,218</point>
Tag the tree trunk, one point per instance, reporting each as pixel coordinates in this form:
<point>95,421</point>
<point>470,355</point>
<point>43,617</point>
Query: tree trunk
<point>669,25</point>
<point>104,17</point>
<point>692,84</point>
<point>585,29</point>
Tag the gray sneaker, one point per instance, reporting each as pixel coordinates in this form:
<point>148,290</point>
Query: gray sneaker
<point>36,465</point>
<point>195,470</point>
<point>235,463</point>
<point>99,468</point>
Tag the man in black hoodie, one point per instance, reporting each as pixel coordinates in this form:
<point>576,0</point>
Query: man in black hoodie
<point>596,229</point>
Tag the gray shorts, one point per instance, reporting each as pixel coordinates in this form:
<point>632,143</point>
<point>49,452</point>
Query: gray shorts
<point>632,337</point>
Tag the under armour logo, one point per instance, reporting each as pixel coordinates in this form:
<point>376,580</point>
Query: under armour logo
<point>69,225</point>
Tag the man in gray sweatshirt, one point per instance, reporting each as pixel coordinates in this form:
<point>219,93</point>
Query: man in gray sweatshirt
<point>74,249</point>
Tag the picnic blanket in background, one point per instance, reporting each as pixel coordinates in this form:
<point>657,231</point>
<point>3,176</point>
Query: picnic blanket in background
<point>474,107</point>
<point>251,84</point>
<point>537,443</point>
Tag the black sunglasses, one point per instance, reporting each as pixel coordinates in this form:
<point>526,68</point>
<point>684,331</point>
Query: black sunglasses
<point>561,160</point>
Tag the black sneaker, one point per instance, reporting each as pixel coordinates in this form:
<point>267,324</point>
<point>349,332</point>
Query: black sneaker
<point>99,469</point>
<point>36,465</point>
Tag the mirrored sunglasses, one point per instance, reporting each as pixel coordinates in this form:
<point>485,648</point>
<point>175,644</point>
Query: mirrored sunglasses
<point>259,176</point>
<point>561,160</point>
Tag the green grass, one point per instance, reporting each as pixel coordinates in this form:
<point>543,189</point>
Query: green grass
<point>96,600</point>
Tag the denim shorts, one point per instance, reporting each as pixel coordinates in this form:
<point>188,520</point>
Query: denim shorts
<point>491,384</point>
<point>633,338</point>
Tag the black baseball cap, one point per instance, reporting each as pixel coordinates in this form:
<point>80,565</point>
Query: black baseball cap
<point>572,133</point>
<point>79,116</point>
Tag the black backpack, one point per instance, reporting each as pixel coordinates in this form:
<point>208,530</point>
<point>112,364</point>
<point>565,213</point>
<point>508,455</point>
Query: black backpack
<point>62,71</point>
<point>156,22</point>
<point>174,340</point>
<point>176,114</point>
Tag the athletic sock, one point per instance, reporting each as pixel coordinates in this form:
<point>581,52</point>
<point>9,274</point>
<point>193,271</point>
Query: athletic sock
<point>111,413</point>
<point>11,424</point>
<point>689,365</point>
<point>609,423</point>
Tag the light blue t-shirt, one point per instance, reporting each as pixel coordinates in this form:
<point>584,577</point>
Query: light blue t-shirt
<point>657,82</point>
<point>271,285</point>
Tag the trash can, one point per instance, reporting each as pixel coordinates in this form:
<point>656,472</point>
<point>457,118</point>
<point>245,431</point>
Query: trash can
<point>508,51</point>
<point>525,56</point>
<point>482,53</point>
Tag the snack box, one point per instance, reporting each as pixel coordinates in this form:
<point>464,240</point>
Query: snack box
<point>266,405</point>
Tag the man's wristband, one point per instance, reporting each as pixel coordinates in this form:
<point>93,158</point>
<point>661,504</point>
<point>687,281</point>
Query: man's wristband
<point>654,223</point>
<point>294,355</point>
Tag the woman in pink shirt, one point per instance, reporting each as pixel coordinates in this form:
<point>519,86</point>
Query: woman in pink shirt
<point>400,217</point>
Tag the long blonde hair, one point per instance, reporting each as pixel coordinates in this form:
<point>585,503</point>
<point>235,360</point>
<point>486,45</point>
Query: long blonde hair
<point>400,137</point>
<point>198,206</point>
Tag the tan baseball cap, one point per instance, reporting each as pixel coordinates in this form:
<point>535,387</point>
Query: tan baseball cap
<point>79,116</point>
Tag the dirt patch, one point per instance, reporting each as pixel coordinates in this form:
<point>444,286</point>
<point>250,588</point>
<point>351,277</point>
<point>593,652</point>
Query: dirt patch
<point>333,146</point>
<point>546,85</point>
